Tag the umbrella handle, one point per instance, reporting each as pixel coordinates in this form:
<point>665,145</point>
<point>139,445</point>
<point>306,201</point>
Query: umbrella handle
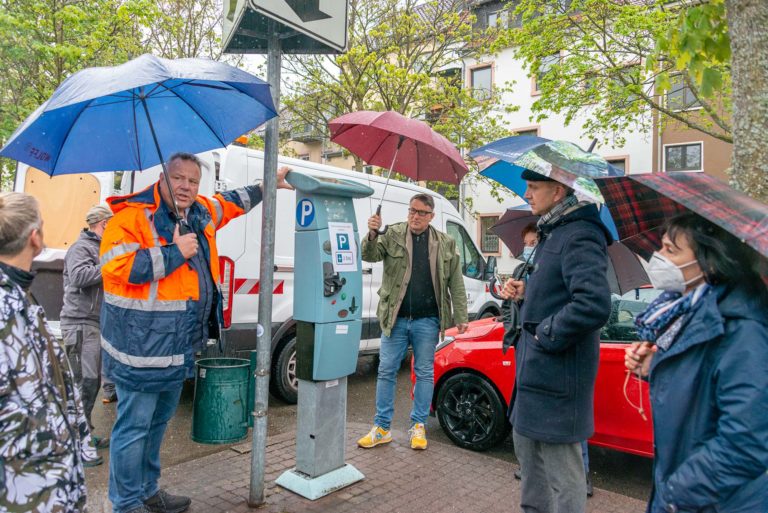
<point>492,289</point>
<point>184,227</point>
<point>378,213</point>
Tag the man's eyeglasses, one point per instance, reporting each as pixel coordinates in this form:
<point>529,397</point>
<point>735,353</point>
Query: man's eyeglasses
<point>420,213</point>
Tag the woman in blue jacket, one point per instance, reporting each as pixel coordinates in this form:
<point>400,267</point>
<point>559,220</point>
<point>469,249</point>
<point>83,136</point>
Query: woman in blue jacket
<point>705,354</point>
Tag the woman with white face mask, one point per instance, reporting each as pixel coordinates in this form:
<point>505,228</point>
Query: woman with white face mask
<point>705,354</point>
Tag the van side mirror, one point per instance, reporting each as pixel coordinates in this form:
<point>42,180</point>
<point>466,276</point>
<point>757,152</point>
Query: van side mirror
<point>490,268</point>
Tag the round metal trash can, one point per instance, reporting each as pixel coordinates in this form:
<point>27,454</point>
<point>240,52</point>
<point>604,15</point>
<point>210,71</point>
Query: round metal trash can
<point>220,409</point>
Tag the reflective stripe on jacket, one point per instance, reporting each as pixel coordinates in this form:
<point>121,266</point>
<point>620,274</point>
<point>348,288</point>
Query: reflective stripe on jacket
<point>151,292</point>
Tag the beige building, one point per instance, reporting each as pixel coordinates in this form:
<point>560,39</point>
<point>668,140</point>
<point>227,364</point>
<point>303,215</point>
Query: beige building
<point>309,144</point>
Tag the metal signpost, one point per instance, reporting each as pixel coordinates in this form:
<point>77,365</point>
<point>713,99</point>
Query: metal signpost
<point>276,27</point>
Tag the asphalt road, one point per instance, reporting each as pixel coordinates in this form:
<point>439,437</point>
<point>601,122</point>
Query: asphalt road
<point>621,473</point>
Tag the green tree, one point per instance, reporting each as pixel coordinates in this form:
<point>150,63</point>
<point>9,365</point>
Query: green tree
<point>712,41</point>
<point>45,41</point>
<point>614,61</point>
<point>406,56</point>
<point>183,28</point>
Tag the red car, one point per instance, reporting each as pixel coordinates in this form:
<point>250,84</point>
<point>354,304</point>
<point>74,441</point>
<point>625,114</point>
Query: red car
<point>474,380</point>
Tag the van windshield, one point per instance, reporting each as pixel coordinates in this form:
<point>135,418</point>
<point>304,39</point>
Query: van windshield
<point>471,260</point>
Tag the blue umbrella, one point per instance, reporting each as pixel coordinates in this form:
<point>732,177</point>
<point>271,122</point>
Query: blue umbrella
<point>133,116</point>
<point>505,160</point>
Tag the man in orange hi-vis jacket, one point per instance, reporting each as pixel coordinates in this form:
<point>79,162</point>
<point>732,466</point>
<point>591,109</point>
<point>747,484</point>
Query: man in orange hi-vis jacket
<point>161,303</point>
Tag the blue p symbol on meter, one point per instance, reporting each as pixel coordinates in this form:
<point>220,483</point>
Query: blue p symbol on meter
<point>305,213</point>
<point>342,241</point>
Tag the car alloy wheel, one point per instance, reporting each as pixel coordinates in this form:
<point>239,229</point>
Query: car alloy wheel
<point>471,412</point>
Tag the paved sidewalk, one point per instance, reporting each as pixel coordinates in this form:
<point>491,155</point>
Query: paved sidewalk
<point>442,479</point>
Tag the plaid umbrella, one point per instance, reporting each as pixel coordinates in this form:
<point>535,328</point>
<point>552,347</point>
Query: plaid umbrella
<point>641,204</point>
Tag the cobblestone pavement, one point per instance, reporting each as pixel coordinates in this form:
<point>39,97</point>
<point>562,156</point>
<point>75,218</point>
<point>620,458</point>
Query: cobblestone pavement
<point>442,479</point>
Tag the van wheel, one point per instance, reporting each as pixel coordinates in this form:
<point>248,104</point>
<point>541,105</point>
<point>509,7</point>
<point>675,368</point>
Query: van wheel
<point>286,384</point>
<point>471,412</point>
<point>487,314</point>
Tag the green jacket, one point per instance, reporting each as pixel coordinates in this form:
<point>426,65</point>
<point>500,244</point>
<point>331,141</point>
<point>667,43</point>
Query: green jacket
<point>395,248</point>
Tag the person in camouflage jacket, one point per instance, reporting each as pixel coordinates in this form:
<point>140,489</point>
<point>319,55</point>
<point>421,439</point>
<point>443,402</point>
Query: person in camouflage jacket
<point>45,435</point>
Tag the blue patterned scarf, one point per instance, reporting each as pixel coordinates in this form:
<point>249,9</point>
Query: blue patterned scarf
<point>661,322</point>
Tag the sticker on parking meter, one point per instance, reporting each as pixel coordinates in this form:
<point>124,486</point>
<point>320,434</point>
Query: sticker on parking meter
<point>305,213</point>
<point>343,247</point>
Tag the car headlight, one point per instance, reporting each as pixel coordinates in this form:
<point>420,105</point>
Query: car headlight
<point>446,341</point>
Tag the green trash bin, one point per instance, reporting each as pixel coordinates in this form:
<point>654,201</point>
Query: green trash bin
<point>220,410</point>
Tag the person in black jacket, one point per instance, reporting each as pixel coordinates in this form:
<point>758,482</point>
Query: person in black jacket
<point>566,300</point>
<point>704,350</point>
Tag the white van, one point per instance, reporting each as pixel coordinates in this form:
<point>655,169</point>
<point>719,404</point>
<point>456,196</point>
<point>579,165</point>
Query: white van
<point>239,249</point>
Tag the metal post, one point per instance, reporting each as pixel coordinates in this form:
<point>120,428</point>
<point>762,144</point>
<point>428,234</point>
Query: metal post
<point>263,347</point>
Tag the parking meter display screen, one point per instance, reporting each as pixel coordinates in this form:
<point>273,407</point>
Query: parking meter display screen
<point>335,210</point>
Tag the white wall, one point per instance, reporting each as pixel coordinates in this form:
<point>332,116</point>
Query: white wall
<point>638,147</point>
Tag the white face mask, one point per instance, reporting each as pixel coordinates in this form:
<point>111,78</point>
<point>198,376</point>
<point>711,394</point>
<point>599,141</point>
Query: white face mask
<point>665,275</point>
<point>527,252</point>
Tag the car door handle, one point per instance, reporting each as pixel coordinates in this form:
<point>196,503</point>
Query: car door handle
<point>368,270</point>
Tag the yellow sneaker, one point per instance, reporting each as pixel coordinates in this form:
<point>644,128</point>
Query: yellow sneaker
<point>418,437</point>
<point>376,436</point>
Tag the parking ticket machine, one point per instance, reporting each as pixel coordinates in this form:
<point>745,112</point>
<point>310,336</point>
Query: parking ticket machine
<point>328,301</point>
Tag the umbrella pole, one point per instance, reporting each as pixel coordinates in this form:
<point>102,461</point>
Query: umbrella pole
<point>183,228</point>
<point>389,175</point>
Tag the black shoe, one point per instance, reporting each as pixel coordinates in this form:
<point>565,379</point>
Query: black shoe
<point>590,491</point>
<point>164,502</point>
<point>518,475</point>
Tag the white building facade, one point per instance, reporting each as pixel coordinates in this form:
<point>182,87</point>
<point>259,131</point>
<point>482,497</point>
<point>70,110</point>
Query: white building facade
<point>634,156</point>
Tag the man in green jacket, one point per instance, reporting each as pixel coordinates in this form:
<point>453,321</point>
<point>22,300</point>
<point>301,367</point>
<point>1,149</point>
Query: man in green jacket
<point>421,295</point>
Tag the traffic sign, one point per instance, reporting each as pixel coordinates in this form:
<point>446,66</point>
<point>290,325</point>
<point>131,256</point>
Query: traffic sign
<point>305,26</point>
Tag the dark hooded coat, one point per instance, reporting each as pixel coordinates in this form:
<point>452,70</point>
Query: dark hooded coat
<point>567,301</point>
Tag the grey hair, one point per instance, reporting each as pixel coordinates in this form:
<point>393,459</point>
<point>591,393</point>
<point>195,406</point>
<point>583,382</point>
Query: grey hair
<point>424,198</point>
<point>189,157</point>
<point>19,215</point>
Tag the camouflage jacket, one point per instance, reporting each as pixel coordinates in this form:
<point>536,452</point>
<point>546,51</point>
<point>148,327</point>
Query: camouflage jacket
<point>41,415</point>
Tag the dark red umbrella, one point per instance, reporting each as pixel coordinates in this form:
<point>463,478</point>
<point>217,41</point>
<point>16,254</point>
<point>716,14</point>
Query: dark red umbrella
<point>407,146</point>
<point>641,204</point>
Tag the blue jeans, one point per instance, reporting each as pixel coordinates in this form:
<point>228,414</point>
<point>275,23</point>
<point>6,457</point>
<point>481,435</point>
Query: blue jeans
<point>134,450</point>
<point>422,334</point>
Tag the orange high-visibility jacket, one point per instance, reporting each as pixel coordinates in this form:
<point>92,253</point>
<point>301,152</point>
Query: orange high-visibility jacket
<point>149,288</point>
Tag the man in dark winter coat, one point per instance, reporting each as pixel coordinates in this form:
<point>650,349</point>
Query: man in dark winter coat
<point>566,302</point>
<point>82,304</point>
